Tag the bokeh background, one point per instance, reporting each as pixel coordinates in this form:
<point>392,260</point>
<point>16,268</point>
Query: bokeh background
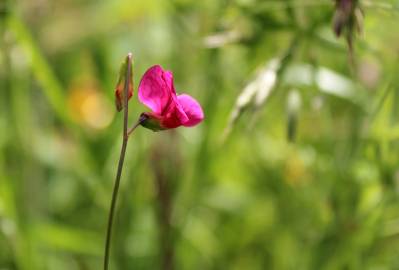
<point>296,165</point>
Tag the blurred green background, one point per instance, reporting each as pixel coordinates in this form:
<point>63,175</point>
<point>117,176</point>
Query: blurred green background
<point>296,165</point>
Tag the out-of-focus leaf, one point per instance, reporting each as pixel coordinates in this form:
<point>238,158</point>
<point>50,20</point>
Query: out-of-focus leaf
<point>72,239</point>
<point>220,39</point>
<point>326,80</point>
<point>41,68</point>
<point>255,92</point>
<point>293,107</point>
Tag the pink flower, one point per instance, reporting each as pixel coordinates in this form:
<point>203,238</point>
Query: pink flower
<point>157,92</point>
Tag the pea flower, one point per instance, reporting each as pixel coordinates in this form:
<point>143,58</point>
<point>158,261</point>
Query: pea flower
<point>168,110</point>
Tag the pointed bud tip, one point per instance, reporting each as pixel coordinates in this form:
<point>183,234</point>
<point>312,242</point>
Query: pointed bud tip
<point>126,67</point>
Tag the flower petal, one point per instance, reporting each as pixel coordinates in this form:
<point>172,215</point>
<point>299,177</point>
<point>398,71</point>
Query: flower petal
<point>192,109</point>
<point>156,89</point>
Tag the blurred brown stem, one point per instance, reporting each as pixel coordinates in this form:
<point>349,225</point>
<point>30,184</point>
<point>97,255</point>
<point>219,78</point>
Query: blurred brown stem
<point>166,166</point>
<point>120,164</point>
<point>164,220</point>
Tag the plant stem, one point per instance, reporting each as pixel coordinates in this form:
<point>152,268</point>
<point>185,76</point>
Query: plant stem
<point>120,164</point>
<point>141,119</point>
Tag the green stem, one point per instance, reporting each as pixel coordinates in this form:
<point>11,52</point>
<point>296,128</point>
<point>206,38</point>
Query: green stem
<point>120,164</point>
<point>141,120</point>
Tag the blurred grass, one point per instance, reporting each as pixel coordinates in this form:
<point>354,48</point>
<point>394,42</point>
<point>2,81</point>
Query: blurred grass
<point>40,68</point>
<point>327,198</point>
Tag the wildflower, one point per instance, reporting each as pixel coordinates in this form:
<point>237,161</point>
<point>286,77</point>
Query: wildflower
<point>168,110</point>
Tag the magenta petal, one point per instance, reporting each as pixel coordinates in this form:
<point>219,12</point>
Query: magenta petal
<point>192,109</point>
<point>180,112</point>
<point>156,89</point>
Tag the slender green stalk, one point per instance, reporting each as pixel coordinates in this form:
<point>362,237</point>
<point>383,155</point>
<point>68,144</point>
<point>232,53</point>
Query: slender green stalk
<point>141,120</point>
<point>120,164</point>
